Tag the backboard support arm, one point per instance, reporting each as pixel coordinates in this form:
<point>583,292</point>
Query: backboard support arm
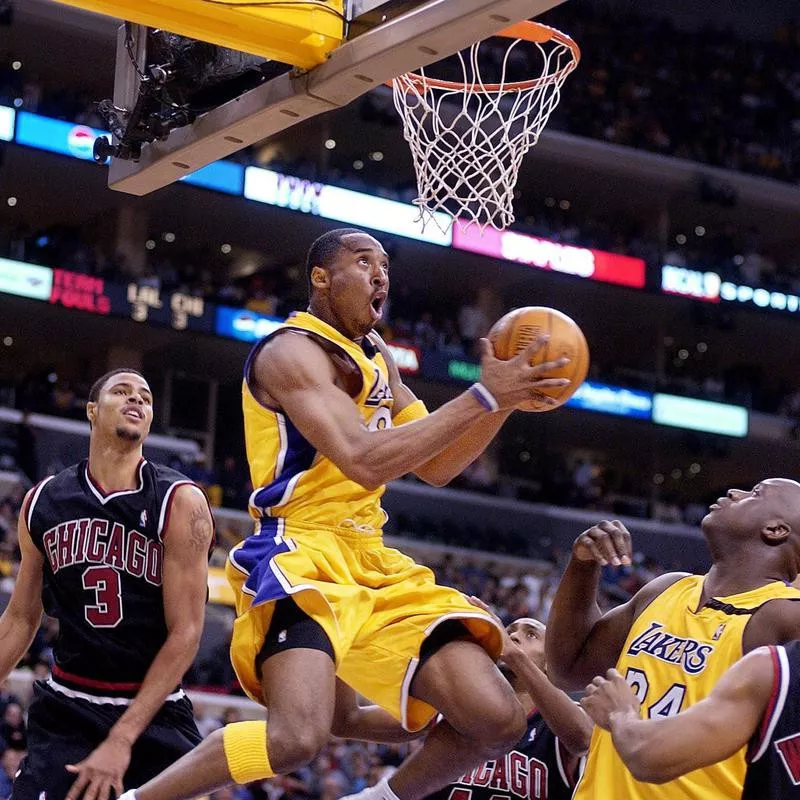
<point>422,36</point>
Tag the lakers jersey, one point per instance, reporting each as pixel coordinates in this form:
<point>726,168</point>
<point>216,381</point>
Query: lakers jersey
<point>290,478</point>
<point>673,657</point>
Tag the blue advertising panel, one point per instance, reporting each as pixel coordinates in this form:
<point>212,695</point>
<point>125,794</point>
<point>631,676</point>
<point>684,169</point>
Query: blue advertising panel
<point>221,176</point>
<point>239,323</point>
<point>56,135</point>
<point>601,397</point>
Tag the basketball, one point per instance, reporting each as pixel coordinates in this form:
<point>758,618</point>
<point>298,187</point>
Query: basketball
<point>517,329</point>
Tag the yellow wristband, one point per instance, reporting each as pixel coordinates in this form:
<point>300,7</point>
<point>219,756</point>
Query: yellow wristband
<point>245,745</point>
<point>414,411</point>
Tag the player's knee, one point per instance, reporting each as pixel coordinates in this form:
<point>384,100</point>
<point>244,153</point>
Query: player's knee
<point>500,731</point>
<point>293,747</point>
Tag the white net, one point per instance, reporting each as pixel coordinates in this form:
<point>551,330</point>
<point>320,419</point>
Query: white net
<point>468,138</point>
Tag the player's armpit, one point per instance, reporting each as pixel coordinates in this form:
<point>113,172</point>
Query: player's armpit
<point>775,622</point>
<point>714,729</point>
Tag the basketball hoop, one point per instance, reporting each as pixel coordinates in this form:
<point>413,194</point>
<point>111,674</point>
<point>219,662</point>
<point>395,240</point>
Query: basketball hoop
<point>468,137</point>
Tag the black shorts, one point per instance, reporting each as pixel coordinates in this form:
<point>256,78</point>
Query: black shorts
<point>63,730</point>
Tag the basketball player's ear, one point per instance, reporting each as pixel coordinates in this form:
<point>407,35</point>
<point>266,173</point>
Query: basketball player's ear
<point>91,412</point>
<point>320,278</point>
<point>776,532</point>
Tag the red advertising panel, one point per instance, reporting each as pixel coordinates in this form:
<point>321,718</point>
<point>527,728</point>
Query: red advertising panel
<point>81,292</point>
<point>581,262</point>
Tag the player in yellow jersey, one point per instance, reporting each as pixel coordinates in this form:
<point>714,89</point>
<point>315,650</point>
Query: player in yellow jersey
<point>328,422</point>
<point>679,634</point>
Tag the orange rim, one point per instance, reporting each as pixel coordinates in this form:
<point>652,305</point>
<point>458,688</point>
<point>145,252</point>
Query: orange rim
<point>526,31</point>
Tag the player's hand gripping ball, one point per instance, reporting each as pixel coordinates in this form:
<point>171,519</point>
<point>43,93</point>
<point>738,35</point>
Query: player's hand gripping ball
<point>517,329</point>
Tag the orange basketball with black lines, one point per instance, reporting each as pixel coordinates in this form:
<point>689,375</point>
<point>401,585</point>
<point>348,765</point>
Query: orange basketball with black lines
<point>517,329</point>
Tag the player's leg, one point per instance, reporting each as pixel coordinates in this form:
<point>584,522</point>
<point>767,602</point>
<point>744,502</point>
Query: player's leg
<point>298,681</point>
<point>482,718</point>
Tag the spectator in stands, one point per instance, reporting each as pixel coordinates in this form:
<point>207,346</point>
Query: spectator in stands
<point>10,760</point>
<point>12,728</point>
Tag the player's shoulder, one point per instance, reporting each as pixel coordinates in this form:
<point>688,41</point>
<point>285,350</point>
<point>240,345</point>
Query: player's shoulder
<point>656,587</point>
<point>68,479</point>
<point>294,359</point>
<point>164,474</point>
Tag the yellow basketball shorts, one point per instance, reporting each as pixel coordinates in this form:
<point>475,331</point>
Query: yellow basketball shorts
<point>376,605</point>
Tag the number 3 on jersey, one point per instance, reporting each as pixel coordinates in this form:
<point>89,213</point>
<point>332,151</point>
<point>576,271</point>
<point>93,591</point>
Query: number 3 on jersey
<point>668,705</point>
<point>106,612</point>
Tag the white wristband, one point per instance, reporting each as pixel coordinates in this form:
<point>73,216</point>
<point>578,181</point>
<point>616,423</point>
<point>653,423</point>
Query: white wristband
<point>484,397</point>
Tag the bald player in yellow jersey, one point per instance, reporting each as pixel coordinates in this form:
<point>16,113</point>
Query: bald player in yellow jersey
<point>678,635</point>
<point>324,608</point>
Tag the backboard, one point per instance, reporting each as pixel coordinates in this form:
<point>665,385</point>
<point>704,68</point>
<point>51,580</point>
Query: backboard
<point>379,41</point>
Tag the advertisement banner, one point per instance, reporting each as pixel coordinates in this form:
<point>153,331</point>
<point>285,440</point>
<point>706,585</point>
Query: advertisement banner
<point>605,399</point>
<point>6,123</point>
<point>709,287</point>
<point>82,292</point>
<point>580,262</point>
<point>247,326</point>
<point>25,280</point>
<point>700,415</point>
<point>406,357</point>
<point>219,176</point>
<point>343,205</point>
<point>56,135</point>
<point>690,283</point>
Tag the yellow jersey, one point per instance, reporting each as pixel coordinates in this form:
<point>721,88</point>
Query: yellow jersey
<point>673,657</point>
<point>290,478</point>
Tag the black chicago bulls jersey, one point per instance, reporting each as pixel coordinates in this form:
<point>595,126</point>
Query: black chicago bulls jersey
<point>774,754</point>
<point>538,768</point>
<point>103,557</point>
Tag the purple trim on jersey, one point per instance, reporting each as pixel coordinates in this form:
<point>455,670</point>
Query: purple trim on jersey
<point>299,456</point>
<point>254,558</point>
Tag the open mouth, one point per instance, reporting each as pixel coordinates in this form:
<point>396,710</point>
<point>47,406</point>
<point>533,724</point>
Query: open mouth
<point>376,304</point>
<point>133,415</point>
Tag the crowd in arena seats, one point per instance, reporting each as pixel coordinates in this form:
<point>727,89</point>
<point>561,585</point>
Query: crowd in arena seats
<point>708,95</point>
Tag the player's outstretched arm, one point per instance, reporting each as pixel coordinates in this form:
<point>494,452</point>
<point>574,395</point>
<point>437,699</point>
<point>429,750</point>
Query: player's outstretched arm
<point>366,723</point>
<point>582,641</point>
<point>23,614</point>
<point>187,540</point>
<point>299,377</point>
<point>660,750</point>
<point>470,443</point>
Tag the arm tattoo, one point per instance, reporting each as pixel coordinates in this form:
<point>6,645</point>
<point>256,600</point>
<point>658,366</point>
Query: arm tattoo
<point>200,529</point>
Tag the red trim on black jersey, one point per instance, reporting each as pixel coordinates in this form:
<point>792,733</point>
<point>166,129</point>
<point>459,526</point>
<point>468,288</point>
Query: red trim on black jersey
<point>773,700</point>
<point>107,494</point>
<point>92,683</point>
<point>26,505</point>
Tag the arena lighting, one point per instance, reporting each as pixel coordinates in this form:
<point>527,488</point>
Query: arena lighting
<point>700,415</point>
<point>342,205</point>
<point>7,116</point>
<point>581,262</point>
